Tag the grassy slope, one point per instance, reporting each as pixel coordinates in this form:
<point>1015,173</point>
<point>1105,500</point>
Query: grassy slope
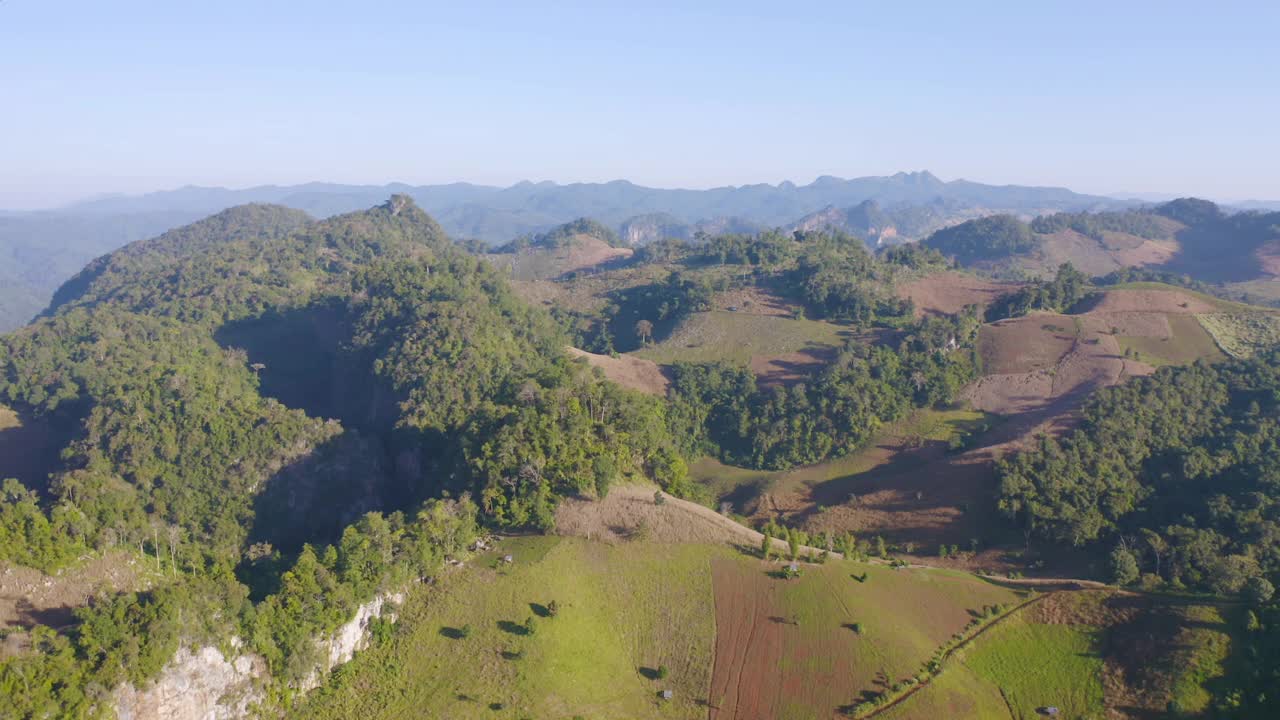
<point>737,336</point>
<point>625,608</point>
<point>1037,665</point>
<point>1189,342</point>
<point>585,661</point>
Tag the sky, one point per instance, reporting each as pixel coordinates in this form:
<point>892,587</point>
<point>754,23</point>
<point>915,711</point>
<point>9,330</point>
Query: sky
<point>110,96</point>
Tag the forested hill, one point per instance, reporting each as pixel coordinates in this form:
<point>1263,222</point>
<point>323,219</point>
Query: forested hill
<point>234,393</point>
<point>1187,236</point>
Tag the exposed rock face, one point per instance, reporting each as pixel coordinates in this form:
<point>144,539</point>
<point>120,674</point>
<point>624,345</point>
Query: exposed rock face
<point>352,637</point>
<point>205,685</point>
<point>199,685</point>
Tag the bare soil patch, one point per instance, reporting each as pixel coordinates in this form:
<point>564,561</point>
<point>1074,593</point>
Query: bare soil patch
<point>1129,324</point>
<point>628,371</point>
<point>753,301</point>
<point>630,513</point>
<point>947,293</point>
<point>1151,301</point>
<point>580,253</point>
<point>746,681</point>
<point>29,597</point>
<point>1268,256</point>
<point>1026,344</point>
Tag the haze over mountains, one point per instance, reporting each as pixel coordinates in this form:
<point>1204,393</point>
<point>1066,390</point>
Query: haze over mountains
<point>41,249</point>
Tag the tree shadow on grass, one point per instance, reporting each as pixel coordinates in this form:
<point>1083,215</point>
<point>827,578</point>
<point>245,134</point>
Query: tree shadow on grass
<point>540,610</point>
<point>452,633</point>
<point>648,673</point>
<point>513,628</point>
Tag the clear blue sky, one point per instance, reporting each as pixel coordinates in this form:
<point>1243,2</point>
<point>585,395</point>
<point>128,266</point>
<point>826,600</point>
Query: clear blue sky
<point>123,95</point>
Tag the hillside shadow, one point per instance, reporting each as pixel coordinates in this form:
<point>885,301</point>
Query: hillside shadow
<point>634,304</point>
<point>57,617</point>
<point>302,359</point>
<point>31,446</point>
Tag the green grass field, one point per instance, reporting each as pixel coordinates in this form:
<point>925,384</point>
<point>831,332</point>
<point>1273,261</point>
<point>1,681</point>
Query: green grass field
<point>1036,665</point>
<point>625,611</point>
<point>1013,669</point>
<point>732,635</point>
<point>737,336</point>
<point>1189,342</point>
<point>621,609</point>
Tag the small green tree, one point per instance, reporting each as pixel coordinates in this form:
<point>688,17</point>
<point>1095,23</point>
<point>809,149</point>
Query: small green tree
<point>663,672</point>
<point>553,609</point>
<point>766,544</point>
<point>793,542</point>
<point>1124,566</point>
<point>465,631</point>
<point>659,498</point>
<point>529,627</point>
<point>882,550</point>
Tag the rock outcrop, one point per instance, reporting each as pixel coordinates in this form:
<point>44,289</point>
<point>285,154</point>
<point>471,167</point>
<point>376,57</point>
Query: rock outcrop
<point>196,685</point>
<point>204,684</point>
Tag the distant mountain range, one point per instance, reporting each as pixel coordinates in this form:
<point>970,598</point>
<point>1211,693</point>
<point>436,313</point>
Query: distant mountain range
<point>40,250</point>
<point>496,215</point>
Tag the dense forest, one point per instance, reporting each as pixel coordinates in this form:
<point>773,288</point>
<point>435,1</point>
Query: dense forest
<point>1170,479</point>
<point>412,374</point>
<point>983,239</point>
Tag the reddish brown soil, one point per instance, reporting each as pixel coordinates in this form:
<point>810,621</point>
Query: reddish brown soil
<point>947,293</point>
<point>745,682</point>
<point>628,371</point>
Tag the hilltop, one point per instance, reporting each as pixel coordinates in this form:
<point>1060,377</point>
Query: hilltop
<point>1188,237</point>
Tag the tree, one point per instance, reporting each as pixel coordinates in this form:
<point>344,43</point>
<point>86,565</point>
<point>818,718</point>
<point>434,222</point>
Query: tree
<point>644,331</point>
<point>529,627</point>
<point>1258,590</point>
<point>766,544</point>
<point>553,609</point>
<point>882,550</point>
<point>1124,566</point>
<point>793,542</point>
<point>662,672</point>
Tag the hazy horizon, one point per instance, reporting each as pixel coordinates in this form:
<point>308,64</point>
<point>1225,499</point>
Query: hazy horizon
<point>134,97</point>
